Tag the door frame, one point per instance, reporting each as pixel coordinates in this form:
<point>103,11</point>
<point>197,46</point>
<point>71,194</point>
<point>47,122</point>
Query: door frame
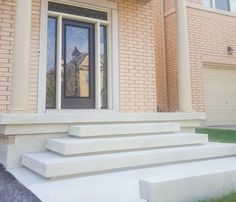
<point>113,64</point>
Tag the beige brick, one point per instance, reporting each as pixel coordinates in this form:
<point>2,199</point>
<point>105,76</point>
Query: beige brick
<point>209,35</point>
<point>7,10</point>
<point>136,46</point>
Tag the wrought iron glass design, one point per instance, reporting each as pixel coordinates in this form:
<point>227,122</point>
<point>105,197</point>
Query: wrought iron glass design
<point>74,10</point>
<point>103,47</point>
<point>51,63</point>
<point>77,60</point>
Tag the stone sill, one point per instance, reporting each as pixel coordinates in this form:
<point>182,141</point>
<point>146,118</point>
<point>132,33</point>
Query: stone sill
<point>99,116</point>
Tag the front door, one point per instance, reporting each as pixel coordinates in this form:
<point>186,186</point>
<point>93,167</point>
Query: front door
<point>77,58</point>
<point>78,65</point>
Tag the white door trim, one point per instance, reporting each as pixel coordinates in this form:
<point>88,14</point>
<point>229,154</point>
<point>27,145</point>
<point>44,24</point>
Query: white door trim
<point>113,70</point>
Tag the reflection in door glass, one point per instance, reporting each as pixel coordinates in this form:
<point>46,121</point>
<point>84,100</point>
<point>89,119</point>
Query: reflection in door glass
<point>77,56</point>
<point>103,45</point>
<point>51,64</point>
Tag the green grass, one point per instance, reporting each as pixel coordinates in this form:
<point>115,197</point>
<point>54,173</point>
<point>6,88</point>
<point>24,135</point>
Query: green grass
<point>227,198</point>
<point>219,135</point>
<point>224,136</point>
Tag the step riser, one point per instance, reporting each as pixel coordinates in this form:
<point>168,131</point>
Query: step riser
<point>189,189</point>
<point>84,166</point>
<point>122,129</point>
<point>122,144</point>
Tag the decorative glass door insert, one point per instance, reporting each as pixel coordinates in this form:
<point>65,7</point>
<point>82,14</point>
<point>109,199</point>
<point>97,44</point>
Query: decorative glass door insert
<point>78,90</point>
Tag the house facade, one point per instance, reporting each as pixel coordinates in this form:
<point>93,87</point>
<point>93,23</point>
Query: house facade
<point>66,62</point>
<point>211,45</point>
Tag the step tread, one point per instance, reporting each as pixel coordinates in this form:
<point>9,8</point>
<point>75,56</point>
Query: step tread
<point>49,164</point>
<point>73,145</point>
<point>75,140</point>
<point>52,158</point>
<point>122,129</point>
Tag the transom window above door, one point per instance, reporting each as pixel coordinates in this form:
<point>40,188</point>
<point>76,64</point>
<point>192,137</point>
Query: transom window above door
<point>78,64</point>
<point>79,11</point>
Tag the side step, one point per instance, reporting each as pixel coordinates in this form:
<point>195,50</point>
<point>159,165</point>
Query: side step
<point>52,165</point>
<point>202,181</point>
<point>123,129</point>
<point>75,146</point>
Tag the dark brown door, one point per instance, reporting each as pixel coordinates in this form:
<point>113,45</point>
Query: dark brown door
<point>78,73</point>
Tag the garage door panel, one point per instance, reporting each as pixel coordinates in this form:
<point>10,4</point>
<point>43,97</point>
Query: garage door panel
<point>221,87</point>
<point>230,92</point>
<point>220,84</point>
<point>221,103</point>
<point>222,74</point>
<point>220,95</point>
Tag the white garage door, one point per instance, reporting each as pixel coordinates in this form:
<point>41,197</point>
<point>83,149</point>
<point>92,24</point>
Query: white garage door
<point>220,95</point>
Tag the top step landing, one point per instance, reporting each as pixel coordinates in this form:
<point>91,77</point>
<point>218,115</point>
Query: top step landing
<point>122,129</point>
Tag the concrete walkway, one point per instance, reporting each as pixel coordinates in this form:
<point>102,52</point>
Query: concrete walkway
<point>13,191</point>
<point>120,186</point>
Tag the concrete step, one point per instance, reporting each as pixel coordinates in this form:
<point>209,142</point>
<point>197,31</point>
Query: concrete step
<point>190,182</point>
<point>49,164</point>
<point>122,129</point>
<point>73,146</point>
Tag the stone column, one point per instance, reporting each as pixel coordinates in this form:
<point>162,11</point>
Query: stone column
<point>21,57</point>
<point>183,64</point>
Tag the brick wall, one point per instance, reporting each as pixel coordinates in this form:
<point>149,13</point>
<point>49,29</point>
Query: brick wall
<point>171,64</point>
<point>171,60</point>
<point>137,56</point>
<point>160,56</point>
<point>7,18</point>
<point>172,77</point>
<point>34,56</point>
<point>169,5</point>
<point>7,21</point>
<point>209,35</point>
